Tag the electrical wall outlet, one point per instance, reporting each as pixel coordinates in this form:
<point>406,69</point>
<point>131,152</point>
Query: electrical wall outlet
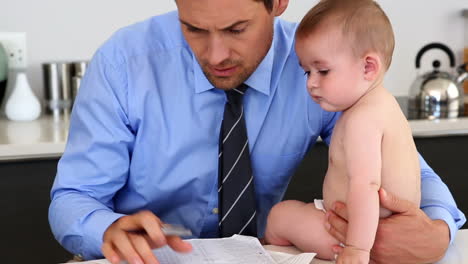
<point>15,47</point>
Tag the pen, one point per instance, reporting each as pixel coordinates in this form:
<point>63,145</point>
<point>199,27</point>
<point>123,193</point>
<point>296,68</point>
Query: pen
<point>175,230</point>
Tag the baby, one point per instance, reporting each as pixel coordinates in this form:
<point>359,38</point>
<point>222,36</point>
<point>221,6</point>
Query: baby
<point>345,47</point>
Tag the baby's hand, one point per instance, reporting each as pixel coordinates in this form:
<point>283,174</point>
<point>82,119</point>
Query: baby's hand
<point>352,255</point>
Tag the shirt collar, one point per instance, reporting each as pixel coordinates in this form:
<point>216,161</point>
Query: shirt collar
<point>259,80</point>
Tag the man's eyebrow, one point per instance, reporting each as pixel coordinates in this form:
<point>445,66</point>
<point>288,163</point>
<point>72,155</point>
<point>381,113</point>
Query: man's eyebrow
<point>235,24</point>
<point>226,28</point>
<point>188,24</point>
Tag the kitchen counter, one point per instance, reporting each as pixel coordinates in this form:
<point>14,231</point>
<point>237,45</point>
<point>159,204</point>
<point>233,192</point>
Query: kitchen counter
<point>432,127</point>
<point>46,137</point>
<point>41,138</point>
<point>439,127</point>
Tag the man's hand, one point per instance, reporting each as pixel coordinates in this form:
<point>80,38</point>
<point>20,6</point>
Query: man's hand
<point>407,236</point>
<point>132,238</point>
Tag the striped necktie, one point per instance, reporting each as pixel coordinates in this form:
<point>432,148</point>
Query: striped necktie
<point>235,184</point>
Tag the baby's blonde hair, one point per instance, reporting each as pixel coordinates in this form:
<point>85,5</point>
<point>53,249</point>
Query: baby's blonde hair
<point>362,22</point>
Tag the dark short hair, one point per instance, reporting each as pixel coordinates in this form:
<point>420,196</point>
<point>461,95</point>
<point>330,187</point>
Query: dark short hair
<point>268,4</point>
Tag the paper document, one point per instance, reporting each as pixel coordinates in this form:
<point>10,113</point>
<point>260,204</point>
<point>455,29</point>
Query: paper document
<point>289,255</point>
<point>236,250</point>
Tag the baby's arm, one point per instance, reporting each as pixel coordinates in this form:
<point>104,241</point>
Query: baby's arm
<point>362,148</point>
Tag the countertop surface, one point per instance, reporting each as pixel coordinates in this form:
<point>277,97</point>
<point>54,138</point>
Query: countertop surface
<point>41,138</point>
<point>46,136</point>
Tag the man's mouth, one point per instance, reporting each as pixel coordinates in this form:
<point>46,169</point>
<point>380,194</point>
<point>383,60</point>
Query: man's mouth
<point>223,71</point>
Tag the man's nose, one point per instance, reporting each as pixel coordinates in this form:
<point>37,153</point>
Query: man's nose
<point>218,50</point>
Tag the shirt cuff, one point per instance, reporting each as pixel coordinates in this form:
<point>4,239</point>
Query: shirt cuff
<point>94,227</point>
<point>439,213</point>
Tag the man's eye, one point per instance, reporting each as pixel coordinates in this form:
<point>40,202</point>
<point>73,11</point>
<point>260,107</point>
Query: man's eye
<point>236,31</point>
<point>193,29</point>
<point>307,73</point>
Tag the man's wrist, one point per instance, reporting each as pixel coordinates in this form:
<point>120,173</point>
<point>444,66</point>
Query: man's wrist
<point>443,233</point>
<point>439,213</point>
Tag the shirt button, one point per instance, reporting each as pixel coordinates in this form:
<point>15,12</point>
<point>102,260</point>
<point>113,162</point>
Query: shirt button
<point>215,211</point>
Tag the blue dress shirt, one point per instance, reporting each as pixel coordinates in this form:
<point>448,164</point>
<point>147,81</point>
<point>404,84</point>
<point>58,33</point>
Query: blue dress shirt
<point>145,128</point>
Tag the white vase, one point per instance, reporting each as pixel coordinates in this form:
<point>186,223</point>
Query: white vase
<point>22,105</point>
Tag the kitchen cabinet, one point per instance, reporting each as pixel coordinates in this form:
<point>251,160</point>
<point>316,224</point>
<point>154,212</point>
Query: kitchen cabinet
<point>25,234</point>
<point>448,156</point>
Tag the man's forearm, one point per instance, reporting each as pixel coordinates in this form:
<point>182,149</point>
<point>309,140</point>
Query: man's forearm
<point>78,224</point>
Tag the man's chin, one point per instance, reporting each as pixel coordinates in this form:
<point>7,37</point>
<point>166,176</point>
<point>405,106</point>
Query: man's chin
<point>224,83</point>
<point>229,82</point>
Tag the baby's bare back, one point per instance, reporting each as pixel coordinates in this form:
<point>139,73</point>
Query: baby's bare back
<point>400,171</point>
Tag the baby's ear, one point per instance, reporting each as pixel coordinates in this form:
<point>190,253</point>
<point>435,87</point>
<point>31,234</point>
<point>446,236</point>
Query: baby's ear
<point>372,66</point>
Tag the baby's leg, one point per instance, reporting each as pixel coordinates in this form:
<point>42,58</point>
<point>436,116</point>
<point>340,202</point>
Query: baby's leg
<point>302,225</point>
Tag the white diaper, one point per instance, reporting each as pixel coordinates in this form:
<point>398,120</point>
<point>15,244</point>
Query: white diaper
<point>319,205</point>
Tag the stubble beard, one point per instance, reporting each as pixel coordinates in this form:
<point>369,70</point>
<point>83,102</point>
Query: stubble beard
<point>229,83</point>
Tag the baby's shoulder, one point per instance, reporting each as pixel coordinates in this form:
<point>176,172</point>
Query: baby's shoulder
<point>361,119</point>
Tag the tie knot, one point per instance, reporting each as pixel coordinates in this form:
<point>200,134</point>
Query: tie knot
<point>235,95</point>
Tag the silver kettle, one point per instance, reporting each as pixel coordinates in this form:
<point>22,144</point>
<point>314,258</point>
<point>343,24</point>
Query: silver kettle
<point>437,94</point>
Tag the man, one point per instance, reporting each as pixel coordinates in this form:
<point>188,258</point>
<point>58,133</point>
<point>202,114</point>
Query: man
<point>144,137</point>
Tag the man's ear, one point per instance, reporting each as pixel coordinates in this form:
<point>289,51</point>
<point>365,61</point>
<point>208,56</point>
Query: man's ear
<point>372,66</point>
<point>280,6</point>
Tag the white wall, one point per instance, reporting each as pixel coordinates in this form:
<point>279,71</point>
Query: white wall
<point>60,30</point>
